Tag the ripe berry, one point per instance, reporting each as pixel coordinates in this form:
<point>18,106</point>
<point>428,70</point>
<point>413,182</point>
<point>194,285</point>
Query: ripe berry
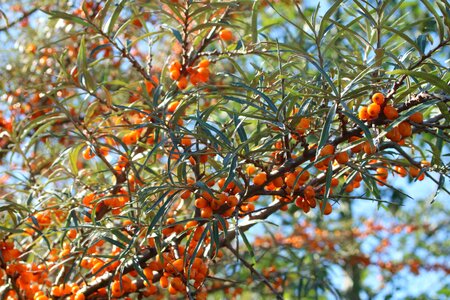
<point>226,35</point>
<point>416,117</point>
<point>373,110</point>
<point>390,112</point>
<point>378,98</point>
<point>342,157</point>
<point>363,114</point>
<point>405,129</point>
<point>260,179</point>
<point>182,83</point>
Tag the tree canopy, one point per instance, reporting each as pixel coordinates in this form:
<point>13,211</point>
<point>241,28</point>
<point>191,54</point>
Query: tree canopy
<point>223,149</point>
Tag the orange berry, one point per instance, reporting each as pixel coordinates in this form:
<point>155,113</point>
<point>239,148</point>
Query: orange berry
<point>206,212</point>
<point>182,83</point>
<point>72,234</point>
<point>79,296</point>
<point>304,123</point>
<point>309,192</point>
<point>416,117</point>
<point>175,74</point>
<point>226,35</point>
<point>164,282</point>
<point>232,201</point>
<point>173,106</point>
<point>363,114</point>
<point>88,153</point>
<point>178,265</point>
<point>201,203</point>
<point>334,182</point>
<point>203,63</point>
<point>373,110</point>
<point>327,150</point>
<point>203,74</point>
<point>394,135</point>
<point>260,178</point>
<point>131,137</point>
<point>382,173</point>
<point>390,112</point>
<point>401,171</point>
<point>342,157</point>
<point>328,208</point>
<point>378,98</point>
<point>186,141</point>
<point>405,129</point>
<point>175,65</point>
<point>357,148</point>
<point>369,149</point>
<point>251,170</point>
<point>414,171</point>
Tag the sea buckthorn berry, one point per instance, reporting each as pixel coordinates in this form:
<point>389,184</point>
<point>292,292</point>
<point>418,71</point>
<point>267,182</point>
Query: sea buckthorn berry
<point>414,171</point>
<point>175,74</point>
<point>405,129</point>
<point>390,112</point>
<point>401,171</point>
<point>88,153</point>
<point>173,106</point>
<point>363,114</point>
<point>175,65</point>
<point>394,135</point>
<point>342,157</point>
<point>304,123</point>
<point>382,172</point>
<point>251,170</point>
<point>378,98</point>
<point>357,148</point>
<point>226,35</point>
<point>260,178</point>
<point>309,192</point>
<point>203,63</point>
<point>182,83</point>
<point>328,208</point>
<point>416,117</point>
<point>131,137</point>
<point>201,202</point>
<point>369,149</point>
<point>327,150</point>
<point>373,110</point>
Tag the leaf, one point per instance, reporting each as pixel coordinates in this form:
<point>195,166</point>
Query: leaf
<point>254,24</point>
<point>177,35</point>
<point>430,78</point>
<point>437,17</point>
<point>62,15</point>
<point>241,131</point>
<point>268,101</point>
<point>329,176</point>
<point>73,157</point>
<point>231,172</point>
<point>109,26</point>
<point>326,128</point>
<point>247,244</point>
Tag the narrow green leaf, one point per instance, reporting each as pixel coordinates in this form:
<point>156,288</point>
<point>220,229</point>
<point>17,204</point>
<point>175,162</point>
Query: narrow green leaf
<point>109,26</point>
<point>430,78</point>
<point>326,128</point>
<point>247,244</point>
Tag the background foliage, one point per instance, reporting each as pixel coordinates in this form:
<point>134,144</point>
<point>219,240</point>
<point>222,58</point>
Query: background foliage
<point>224,149</point>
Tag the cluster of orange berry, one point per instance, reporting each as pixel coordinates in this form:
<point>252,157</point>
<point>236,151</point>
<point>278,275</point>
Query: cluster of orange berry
<point>372,112</point>
<point>197,74</point>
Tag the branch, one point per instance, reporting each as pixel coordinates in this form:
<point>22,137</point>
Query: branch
<point>254,271</point>
<point>24,16</point>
